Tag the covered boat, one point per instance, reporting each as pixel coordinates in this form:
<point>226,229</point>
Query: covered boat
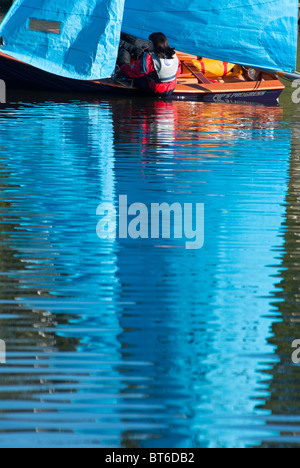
<point>72,45</point>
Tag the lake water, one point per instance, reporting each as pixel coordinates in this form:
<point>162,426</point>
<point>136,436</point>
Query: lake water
<point>142,343</point>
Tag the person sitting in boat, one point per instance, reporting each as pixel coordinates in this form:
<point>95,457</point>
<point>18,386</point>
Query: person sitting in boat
<point>131,47</point>
<point>157,71</point>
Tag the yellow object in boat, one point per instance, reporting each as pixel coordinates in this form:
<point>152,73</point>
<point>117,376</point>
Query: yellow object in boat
<point>216,69</point>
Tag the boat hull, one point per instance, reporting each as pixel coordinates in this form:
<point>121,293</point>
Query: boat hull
<point>267,97</point>
<point>19,75</point>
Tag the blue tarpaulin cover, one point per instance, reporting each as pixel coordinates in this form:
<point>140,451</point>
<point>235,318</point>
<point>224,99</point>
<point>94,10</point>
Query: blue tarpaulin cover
<point>86,46</point>
<point>257,33</point>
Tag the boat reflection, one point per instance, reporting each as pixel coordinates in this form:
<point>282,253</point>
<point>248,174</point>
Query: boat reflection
<point>207,307</point>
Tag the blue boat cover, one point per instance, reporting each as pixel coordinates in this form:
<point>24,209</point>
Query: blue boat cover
<point>79,38</point>
<point>256,33</point>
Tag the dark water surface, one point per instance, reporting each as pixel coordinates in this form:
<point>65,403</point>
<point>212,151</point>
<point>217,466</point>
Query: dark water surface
<point>142,343</point>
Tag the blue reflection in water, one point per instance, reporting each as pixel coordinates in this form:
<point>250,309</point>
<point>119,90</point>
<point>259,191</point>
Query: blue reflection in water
<point>138,342</point>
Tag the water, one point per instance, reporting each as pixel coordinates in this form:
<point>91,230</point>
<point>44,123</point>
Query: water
<point>142,343</point>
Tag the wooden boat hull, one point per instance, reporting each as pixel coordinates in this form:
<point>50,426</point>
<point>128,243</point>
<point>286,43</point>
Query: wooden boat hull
<point>19,75</point>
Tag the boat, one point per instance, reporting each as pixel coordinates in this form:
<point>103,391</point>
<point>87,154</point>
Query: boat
<point>192,86</point>
<point>74,48</point>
